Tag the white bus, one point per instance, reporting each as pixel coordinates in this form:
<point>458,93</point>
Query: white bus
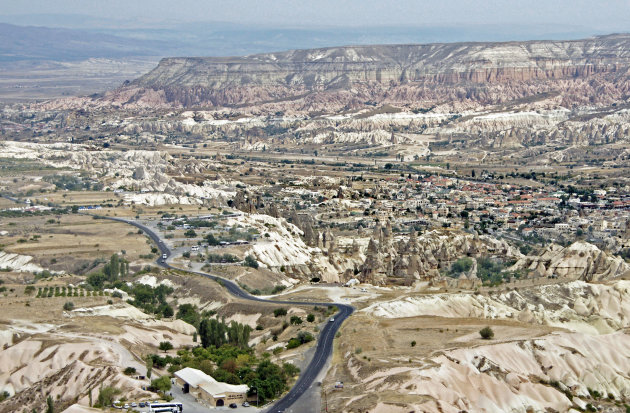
<point>166,407</point>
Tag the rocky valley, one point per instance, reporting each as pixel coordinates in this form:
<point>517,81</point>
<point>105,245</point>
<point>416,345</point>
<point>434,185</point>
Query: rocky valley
<point>404,228</point>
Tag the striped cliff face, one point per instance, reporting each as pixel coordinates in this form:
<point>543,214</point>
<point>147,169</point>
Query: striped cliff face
<point>479,72</point>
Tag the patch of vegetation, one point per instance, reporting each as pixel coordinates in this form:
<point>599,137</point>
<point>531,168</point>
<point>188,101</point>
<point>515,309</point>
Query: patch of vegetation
<point>303,337</point>
<point>72,183</point>
<point>250,261</point>
<point>492,272</point>
<point>165,346</point>
<point>22,214</point>
<point>625,254</point>
<point>130,371</point>
<point>234,234</point>
<point>278,312</point>
<point>162,384</point>
<point>222,258</point>
<point>113,270</point>
<point>151,300</point>
<point>200,223</point>
<point>460,266</point>
<point>107,396</point>
<point>190,233</point>
<point>213,332</point>
<point>234,365</point>
<point>189,314</point>
<point>266,291</point>
<point>486,333</point>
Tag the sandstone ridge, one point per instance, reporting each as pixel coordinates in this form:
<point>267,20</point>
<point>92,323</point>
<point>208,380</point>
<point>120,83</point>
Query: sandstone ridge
<point>394,73</point>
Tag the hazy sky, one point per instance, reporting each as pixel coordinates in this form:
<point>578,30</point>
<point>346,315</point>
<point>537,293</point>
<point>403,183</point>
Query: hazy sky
<point>603,15</point>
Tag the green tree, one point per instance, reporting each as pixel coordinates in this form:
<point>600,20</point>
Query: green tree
<point>213,332</point>
<point>270,380</point>
<point>149,364</point>
<point>290,370</point>
<point>130,371</point>
<point>107,395</point>
<point>305,337</point>
<point>167,311</point>
<point>238,334</point>
<point>295,320</point>
<point>460,266</point>
<point>279,312</point>
<point>50,405</point>
<point>212,240</point>
<point>250,261</point>
<point>486,333</point>
<point>68,306</point>
<point>166,346</point>
<point>310,318</point>
<point>189,314</point>
<point>162,384</point>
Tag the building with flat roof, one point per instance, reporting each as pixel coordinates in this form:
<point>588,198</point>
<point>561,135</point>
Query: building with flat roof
<point>207,389</point>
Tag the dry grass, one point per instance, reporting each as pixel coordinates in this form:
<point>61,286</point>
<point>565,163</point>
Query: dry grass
<point>18,306</point>
<point>375,344</point>
<point>71,240</point>
<point>70,198</point>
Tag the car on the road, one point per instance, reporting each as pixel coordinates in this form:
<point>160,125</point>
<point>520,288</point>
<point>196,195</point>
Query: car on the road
<point>332,319</point>
<point>245,404</point>
<point>164,256</point>
<point>134,404</point>
<point>126,406</point>
<point>233,405</point>
<point>142,404</point>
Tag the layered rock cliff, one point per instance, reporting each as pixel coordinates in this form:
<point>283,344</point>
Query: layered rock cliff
<point>590,70</point>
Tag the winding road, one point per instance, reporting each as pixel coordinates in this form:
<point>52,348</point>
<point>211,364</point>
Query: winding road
<point>326,336</point>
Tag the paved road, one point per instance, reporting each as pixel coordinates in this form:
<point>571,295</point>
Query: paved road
<point>325,339</point>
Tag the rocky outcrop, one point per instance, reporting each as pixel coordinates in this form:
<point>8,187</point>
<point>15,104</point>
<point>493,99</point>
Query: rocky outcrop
<point>151,172</point>
<point>595,308</point>
<point>580,261</point>
<point>396,73</point>
<point>422,257</point>
<point>554,373</point>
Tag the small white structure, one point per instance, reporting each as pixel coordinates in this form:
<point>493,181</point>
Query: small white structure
<point>206,388</point>
<point>352,282</point>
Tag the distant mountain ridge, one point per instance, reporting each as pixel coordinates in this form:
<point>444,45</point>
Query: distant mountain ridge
<point>594,70</point>
<point>20,43</point>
